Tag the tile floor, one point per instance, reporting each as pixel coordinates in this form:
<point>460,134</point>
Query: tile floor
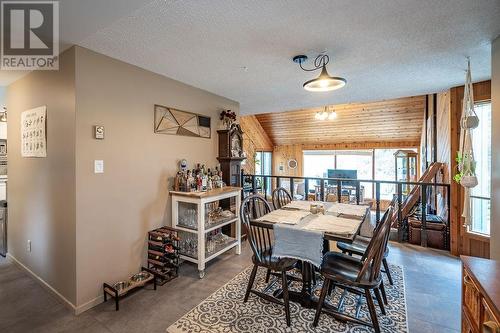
<point>432,291</point>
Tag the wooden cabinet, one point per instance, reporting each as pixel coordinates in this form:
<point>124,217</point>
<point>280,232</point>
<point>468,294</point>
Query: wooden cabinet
<point>480,295</point>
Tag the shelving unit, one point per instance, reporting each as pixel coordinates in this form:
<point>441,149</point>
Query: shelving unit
<point>199,218</point>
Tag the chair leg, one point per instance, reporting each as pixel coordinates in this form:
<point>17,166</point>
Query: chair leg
<point>284,283</point>
<point>331,288</point>
<point>384,295</point>
<point>250,283</point>
<point>268,275</point>
<point>379,300</point>
<point>324,290</point>
<point>373,312</point>
<point>387,271</point>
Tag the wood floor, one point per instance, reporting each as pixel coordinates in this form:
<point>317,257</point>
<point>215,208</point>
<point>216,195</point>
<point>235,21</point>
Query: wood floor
<point>432,291</point>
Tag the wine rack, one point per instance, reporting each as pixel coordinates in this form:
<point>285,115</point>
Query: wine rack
<point>163,254</point>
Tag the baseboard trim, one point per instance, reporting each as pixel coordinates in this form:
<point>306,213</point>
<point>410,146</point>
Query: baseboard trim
<point>89,305</point>
<point>44,284</point>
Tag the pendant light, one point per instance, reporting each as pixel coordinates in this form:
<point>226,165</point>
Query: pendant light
<point>324,82</point>
<point>324,115</point>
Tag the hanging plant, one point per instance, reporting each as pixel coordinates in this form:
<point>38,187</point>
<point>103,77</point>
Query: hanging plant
<point>466,164</point>
<point>465,172</point>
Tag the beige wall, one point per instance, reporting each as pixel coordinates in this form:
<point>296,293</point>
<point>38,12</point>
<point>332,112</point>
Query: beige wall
<point>41,191</point>
<point>495,152</point>
<point>90,228</point>
<point>116,209</point>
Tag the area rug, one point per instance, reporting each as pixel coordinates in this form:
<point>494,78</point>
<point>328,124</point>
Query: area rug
<point>225,312</point>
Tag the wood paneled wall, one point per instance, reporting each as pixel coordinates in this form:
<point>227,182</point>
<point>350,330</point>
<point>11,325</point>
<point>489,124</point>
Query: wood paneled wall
<point>443,133</point>
<point>254,139</point>
<point>393,120</point>
<point>463,242</point>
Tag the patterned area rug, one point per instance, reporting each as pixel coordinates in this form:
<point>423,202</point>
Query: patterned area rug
<point>225,312</point>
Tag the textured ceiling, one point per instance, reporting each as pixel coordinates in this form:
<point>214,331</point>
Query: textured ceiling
<point>385,49</point>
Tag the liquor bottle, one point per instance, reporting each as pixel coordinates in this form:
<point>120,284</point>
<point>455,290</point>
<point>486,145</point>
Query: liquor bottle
<point>204,182</point>
<point>198,182</point>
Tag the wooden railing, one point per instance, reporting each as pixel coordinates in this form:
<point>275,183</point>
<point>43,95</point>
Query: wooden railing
<point>253,184</point>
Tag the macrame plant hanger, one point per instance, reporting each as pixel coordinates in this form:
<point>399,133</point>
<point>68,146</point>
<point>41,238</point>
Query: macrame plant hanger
<point>466,163</point>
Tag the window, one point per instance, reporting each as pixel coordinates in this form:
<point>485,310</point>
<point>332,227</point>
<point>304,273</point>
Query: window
<point>385,170</point>
<point>317,163</point>
<point>481,194</point>
<point>362,162</point>
<point>263,166</point>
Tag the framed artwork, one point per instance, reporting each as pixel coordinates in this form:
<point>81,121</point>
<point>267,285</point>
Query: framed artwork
<point>34,132</point>
<point>177,122</point>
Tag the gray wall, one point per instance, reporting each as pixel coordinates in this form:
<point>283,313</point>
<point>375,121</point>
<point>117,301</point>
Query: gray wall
<point>495,152</point>
<point>41,191</point>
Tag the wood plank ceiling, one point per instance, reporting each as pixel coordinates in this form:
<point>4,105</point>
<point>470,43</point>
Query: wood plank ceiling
<point>391,121</point>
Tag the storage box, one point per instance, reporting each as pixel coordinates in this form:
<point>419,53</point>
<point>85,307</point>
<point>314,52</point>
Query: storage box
<point>436,233</point>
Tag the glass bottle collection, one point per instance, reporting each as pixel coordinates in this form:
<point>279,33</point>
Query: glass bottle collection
<point>199,179</point>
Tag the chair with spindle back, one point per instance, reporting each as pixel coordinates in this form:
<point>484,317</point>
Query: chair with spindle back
<point>360,244</point>
<point>353,274</point>
<point>281,197</point>
<point>261,242</point>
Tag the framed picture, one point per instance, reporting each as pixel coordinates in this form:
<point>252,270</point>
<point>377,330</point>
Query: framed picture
<point>177,122</point>
<point>33,132</point>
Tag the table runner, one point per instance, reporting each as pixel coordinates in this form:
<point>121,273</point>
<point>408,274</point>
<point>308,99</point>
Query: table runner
<point>285,216</point>
<point>332,224</point>
<point>347,209</point>
<point>301,204</point>
<point>297,243</point>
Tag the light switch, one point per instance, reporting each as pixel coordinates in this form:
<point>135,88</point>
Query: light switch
<point>98,166</point>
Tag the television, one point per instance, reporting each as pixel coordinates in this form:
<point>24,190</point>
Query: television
<point>346,174</point>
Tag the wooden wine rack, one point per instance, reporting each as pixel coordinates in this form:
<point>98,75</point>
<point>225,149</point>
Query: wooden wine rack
<point>164,263</point>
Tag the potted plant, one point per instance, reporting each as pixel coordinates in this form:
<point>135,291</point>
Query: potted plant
<point>466,175</point>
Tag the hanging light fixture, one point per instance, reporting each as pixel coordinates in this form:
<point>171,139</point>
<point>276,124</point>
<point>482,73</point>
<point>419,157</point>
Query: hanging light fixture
<point>324,82</point>
<point>324,115</point>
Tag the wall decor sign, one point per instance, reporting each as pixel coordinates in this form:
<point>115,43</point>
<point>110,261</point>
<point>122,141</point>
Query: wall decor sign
<point>98,132</point>
<point>34,132</point>
<point>176,122</point>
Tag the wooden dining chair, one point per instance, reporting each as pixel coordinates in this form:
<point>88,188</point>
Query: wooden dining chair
<point>281,197</point>
<point>360,244</point>
<point>354,275</point>
<point>261,242</point>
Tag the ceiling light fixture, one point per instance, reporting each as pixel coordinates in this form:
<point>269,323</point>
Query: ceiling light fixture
<point>324,115</point>
<point>324,82</point>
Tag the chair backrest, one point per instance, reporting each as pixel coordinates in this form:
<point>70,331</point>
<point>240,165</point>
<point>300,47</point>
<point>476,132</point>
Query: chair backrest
<point>281,197</point>
<point>259,236</point>
<point>375,251</point>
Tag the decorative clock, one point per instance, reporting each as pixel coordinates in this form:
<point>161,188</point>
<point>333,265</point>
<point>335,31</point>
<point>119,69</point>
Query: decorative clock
<point>231,154</point>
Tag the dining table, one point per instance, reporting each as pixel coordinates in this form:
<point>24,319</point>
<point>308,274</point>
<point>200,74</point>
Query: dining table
<point>357,214</point>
